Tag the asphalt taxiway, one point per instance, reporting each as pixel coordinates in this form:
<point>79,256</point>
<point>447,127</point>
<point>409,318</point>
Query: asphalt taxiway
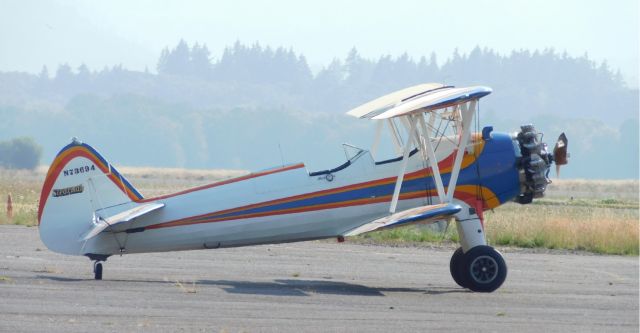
<point>311,286</point>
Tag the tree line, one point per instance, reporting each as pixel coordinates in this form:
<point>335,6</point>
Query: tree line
<point>534,82</point>
<point>263,98</point>
<point>20,153</point>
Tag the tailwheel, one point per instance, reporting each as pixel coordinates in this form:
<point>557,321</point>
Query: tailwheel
<point>97,270</point>
<point>484,269</point>
<point>456,267</point>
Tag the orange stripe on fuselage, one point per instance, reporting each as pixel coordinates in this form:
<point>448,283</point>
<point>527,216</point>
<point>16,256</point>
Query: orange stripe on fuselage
<point>347,203</point>
<point>467,193</point>
<point>445,165</point>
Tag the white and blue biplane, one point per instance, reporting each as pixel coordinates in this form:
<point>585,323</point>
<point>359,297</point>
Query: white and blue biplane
<point>442,171</point>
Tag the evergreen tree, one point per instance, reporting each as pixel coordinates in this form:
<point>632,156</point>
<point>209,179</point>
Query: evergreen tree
<point>83,77</point>
<point>161,67</point>
<point>200,61</point>
<point>64,73</point>
<point>359,70</point>
<point>331,76</point>
<point>64,80</point>
<point>44,74</point>
<point>176,61</point>
<point>20,153</point>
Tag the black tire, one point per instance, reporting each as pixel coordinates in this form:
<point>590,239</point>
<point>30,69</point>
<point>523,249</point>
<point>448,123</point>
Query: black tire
<point>485,269</point>
<point>98,271</point>
<point>456,267</point>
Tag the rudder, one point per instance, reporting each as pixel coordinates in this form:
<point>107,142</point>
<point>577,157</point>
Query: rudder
<point>79,182</point>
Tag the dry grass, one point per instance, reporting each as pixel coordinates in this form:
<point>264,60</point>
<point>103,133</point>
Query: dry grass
<point>158,181</point>
<point>6,279</point>
<point>599,216</point>
<point>184,288</point>
<point>24,187</point>
<point>594,189</point>
<point>179,174</point>
<point>188,290</point>
<point>576,227</point>
<point>412,235</point>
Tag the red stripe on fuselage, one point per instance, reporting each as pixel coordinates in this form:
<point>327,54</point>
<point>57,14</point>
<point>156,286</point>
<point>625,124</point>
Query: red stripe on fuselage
<point>466,193</point>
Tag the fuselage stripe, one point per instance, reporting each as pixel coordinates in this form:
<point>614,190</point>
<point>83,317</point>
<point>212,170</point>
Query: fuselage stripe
<point>467,193</point>
<point>370,192</point>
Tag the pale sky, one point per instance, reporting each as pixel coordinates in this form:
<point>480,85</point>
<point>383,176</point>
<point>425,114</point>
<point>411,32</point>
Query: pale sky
<point>132,33</point>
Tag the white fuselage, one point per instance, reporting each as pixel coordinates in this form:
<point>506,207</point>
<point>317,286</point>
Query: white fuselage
<point>311,221</point>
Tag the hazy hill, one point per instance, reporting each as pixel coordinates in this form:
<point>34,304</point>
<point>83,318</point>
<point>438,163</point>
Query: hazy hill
<point>254,106</point>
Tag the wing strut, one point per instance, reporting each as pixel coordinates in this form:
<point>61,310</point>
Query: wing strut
<point>395,135</point>
<point>468,109</point>
<point>420,134</point>
<point>409,106</point>
<point>433,162</point>
<point>403,168</point>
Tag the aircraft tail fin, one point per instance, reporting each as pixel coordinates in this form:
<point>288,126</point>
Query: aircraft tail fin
<point>79,182</point>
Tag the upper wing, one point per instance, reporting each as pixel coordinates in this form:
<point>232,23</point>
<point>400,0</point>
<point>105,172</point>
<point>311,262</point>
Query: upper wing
<point>386,102</point>
<point>407,217</point>
<point>437,99</point>
<point>126,216</point>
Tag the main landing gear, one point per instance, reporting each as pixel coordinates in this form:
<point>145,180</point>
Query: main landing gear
<point>480,269</point>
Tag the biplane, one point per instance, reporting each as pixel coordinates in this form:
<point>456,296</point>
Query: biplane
<point>442,171</point>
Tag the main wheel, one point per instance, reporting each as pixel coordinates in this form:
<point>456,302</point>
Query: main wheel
<point>98,271</point>
<point>456,267</point>
<point>485,269</point>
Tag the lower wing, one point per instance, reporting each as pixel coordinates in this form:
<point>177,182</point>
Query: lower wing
<point>406,217</point>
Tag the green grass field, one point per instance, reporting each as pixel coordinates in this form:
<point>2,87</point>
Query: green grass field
<point>590,215</point>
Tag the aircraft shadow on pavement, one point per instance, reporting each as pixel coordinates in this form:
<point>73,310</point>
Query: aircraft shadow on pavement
<point>60,279</point>
<point>290,287</point>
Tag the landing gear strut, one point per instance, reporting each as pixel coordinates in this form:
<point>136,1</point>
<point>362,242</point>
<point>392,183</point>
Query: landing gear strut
<point>480,269</point>
<point>475,265</point>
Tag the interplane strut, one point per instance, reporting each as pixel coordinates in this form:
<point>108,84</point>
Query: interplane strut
<point>420,135</point>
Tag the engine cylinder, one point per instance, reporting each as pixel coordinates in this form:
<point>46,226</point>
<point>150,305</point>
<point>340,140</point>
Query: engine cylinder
<point>533,162</point>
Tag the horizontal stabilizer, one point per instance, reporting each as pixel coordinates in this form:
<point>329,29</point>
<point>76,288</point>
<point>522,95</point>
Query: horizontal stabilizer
<point>123,217</point>
<point>407,217</point>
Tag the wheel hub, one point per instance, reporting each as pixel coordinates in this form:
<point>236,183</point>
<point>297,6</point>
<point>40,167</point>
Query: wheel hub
<point>484,269</point>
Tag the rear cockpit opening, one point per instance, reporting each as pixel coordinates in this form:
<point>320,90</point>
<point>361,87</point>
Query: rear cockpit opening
<point>351,152</point>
